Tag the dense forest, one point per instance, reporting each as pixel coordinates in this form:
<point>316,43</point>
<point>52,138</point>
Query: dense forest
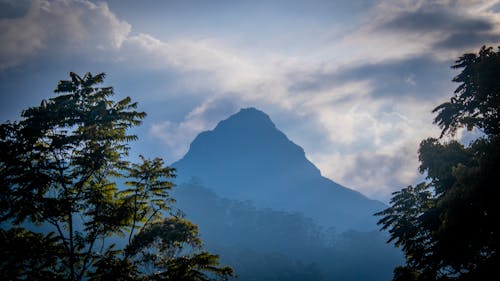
<point>264,244</point>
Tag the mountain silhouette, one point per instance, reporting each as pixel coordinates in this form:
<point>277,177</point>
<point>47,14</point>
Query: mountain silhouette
<point>247,158</point>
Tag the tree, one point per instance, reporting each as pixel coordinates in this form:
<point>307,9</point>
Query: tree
<point>63,215</point>
<point>476,101</point>
<point>447,226</point>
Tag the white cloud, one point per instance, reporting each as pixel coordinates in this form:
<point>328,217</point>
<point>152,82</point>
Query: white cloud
<point>372,143</point>
<point>375,174</point>
<point>178,135</point>
<point>55,26</point>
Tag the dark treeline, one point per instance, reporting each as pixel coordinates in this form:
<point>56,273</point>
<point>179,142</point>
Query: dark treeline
<point>448,225</point>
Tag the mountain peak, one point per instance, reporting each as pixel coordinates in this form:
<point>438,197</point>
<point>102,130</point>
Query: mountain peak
<point>250,139</point>
<point>251,112</point>
<point>245,157</point>
<point>247,119</point>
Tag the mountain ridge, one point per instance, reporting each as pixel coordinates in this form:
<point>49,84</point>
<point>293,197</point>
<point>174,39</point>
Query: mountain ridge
<point>246,157</point>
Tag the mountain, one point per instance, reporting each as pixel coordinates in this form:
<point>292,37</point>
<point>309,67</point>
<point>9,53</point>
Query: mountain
<point>247,158</point>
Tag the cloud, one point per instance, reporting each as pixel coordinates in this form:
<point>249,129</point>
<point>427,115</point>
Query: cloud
<point>367,112</point>
<point>178,135</point>
<point>13,8</point>
<point>382,157</point>
<point>412,28</point>
<point>364,135</point>
<point>21,39</point>
<point>437,20</point>
<point>449,25</point>
<point>209,62</point>
<point>461,40</point>
<point>60,26</point>
<point>409,77</point>
<point>377,174</point>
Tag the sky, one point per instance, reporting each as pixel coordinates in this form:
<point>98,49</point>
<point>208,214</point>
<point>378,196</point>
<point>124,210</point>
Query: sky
<point>352,82</point>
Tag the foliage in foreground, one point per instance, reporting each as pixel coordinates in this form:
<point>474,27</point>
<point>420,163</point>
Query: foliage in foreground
<point>61,210</point>
<point>448,226</point>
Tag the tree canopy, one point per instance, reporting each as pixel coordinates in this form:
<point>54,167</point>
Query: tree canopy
<point>476,101</point>
<point>64,215</point>
<point>448,225</point>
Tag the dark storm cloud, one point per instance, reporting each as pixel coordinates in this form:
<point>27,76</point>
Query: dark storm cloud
<point>419,77</point>
<point>428,21</point>
<point>455,31</point>
<point>468,40</point>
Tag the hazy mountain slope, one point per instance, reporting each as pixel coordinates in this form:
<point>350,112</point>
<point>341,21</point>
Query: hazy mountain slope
<point>247,158</point>
<point>262,244</point>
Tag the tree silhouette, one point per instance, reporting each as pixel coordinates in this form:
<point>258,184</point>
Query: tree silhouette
<point>476,102</point>
<point>62,211</point>
<point>448,226</point>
